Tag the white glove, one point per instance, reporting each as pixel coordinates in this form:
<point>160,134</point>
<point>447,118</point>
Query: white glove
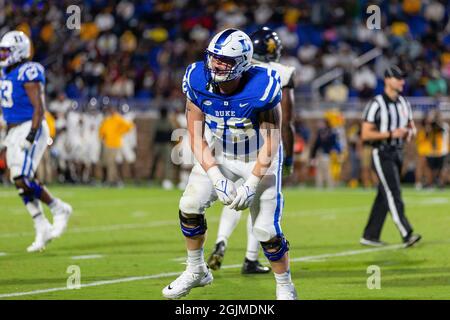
<point>245,194</point>
<point>25,144</point>
<point>225,189</point>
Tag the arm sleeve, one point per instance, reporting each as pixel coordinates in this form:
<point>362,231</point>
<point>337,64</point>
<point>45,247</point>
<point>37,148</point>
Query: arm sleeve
<point>272,93</point>
<point>186,86</point>
<point>32,72</point>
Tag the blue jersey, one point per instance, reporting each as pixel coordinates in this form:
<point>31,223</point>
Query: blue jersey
<point>16,105</point>
<point>233,119</point>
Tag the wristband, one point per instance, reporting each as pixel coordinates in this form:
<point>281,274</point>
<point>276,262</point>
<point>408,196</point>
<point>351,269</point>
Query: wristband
<point>214,174</point>
<point>31,135</point>
<point>253,181</point>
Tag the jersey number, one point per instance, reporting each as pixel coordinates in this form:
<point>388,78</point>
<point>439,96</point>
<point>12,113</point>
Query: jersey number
<point>240,128</point>
<point>6,89</point>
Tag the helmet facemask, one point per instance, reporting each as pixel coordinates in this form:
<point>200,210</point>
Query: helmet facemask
<point>221,68</point>
<point>5,57</point>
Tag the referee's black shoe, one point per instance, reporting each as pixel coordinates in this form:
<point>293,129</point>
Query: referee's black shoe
<point>253,267</point>
<point>412,240</point>
<point>372,242</point>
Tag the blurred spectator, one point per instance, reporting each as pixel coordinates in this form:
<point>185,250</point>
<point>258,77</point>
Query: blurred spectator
<point>336,92</point>
<point>423,148</point>
<point>162,148</point>
<point>368,176</point>
<point>434,137</point>
<point>325,144</point>
<point>354,153</point>
<point>365,82</point>
<point>436,86</point>
<point>301,151</point>
<point>127,154</point>
<point>61,105</point>
<point>45,171</point>
<point>91,149</point>
<point>184,147</point>
<point>111,133</point>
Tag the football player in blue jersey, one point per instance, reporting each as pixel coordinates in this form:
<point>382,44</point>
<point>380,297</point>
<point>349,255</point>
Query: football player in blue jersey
<point>266,53</point>
<point>23,104</point>
<point>234,118</point>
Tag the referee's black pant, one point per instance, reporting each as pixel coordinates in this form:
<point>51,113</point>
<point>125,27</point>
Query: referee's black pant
<point>387,162</point>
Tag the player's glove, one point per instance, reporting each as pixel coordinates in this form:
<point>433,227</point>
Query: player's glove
<point>29,140</point>
<point>245,194</point>
<point>225,189</point>
<point>288,166</point>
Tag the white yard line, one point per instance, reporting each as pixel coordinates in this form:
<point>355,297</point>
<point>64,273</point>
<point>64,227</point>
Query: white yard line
<point>173,274</point>
<point>2,254</point>
<point>87,257</point>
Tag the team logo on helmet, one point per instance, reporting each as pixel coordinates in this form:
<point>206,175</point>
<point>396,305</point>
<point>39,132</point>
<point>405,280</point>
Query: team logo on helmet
<point>228,55</point>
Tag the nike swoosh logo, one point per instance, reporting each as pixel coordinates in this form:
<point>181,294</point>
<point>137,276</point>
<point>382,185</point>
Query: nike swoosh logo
<point>242,104</point>
<point>169,287</point>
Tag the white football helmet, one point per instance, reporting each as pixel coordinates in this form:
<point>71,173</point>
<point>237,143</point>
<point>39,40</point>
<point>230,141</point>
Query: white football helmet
<point>232,46</point>
<point>18,47</point>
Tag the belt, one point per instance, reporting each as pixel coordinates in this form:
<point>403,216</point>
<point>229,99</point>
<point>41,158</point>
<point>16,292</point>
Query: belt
<point>385,147</point>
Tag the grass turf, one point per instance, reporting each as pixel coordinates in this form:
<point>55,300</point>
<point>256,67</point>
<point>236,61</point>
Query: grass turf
<point>136,232</point>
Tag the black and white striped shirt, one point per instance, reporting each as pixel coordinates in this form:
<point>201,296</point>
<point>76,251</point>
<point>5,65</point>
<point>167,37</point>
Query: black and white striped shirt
<point>388,115</point>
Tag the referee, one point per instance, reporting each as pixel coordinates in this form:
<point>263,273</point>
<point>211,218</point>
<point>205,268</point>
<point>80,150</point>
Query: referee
<point>387,123</point>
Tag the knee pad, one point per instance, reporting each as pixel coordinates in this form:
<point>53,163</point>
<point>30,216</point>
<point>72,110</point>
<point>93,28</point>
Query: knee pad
<point>280,245</point>
<point>28,190</point>
<point>198,222</point>
<point>189,203</point>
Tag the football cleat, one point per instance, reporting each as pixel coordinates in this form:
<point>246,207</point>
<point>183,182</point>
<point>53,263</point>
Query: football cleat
<point>182,285</point>
<point>371,242</point>
<point>286,292</point>
<point>43,236</point>
<point>253,267</point>
<point>216,258</point>
<point>61,215</point>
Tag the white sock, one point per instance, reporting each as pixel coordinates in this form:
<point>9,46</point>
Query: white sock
<point>283,278</point>
<point>196,261</point>
<point>252,242</point>
<point>228,222</point>
<point>36,212</point>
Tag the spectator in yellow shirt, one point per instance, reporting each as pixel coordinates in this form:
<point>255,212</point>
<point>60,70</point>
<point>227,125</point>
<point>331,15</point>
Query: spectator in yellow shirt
<point>433,144</point>
<point>45,169</point>
<point>438,135</point>
<point>111,132</point>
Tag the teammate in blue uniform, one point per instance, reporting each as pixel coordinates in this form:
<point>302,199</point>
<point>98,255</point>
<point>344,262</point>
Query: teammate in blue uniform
<point>22,100</point>
<point>234,118</point>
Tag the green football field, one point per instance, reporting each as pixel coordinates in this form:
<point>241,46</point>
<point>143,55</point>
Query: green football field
<point>127,245</point>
